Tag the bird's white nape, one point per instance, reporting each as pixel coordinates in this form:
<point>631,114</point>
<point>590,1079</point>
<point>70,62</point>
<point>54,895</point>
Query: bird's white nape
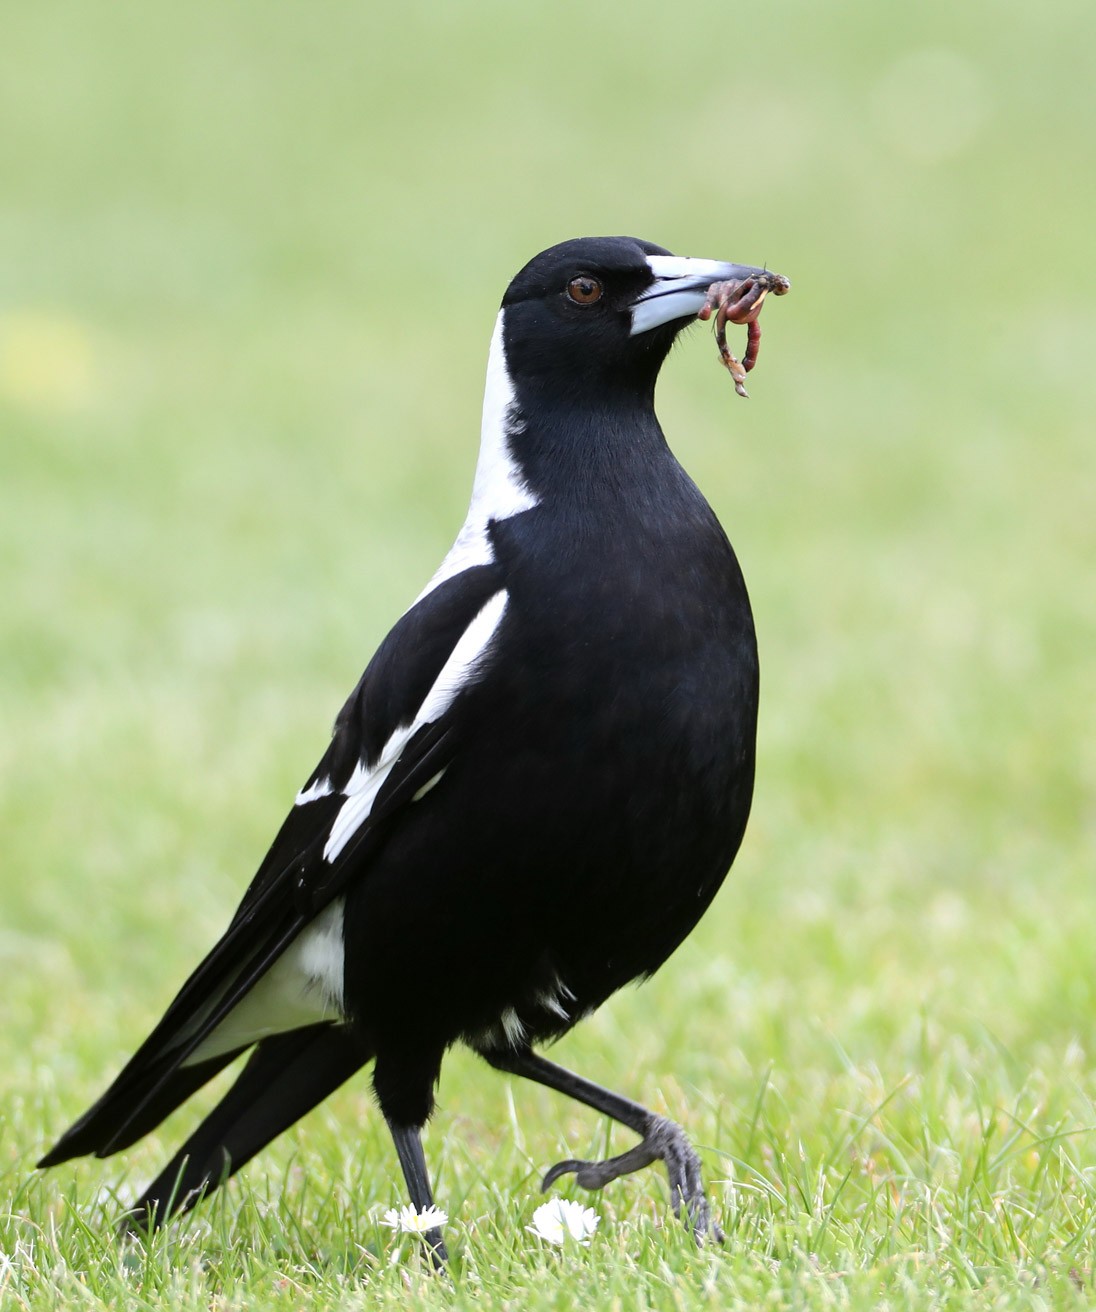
<point>498,489</point>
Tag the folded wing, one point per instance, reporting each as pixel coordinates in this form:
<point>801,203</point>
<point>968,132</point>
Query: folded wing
<point>278,966</point>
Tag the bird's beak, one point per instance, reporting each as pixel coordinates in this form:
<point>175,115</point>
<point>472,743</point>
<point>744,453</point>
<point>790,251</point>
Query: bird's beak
<point>680,289</point>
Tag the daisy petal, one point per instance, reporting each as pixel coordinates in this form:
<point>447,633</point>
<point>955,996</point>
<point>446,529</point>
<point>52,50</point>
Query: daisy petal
<point>560,1220</point>
<point>407,1221</point>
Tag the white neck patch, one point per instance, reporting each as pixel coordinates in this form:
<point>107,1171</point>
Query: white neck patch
<point>498,490</point>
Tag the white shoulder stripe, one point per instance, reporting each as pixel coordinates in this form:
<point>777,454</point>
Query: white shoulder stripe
<point>361,793</point>
<point>366,782</point>
<point>498,490</point>
<point>463,659</point>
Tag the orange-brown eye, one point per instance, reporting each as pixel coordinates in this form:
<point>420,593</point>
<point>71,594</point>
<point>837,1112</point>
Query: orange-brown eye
<point>584,290</point>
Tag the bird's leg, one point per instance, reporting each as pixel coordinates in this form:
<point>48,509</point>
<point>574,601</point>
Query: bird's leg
<point>660,1139</point>
<point>408,1141</point>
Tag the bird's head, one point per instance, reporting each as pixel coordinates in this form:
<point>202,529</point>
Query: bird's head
<point>598,314</point>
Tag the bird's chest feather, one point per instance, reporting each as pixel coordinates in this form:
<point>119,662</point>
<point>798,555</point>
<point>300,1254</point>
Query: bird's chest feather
<point>637,644</point>
<point>606,785</point>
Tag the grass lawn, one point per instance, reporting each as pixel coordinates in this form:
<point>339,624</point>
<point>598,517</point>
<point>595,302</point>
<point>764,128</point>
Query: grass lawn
<point>250,257</point>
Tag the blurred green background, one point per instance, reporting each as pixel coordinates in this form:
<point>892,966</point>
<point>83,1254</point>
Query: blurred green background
<point>250,257</point>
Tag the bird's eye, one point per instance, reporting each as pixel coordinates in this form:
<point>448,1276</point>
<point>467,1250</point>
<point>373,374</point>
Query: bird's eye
<point>584,290</point>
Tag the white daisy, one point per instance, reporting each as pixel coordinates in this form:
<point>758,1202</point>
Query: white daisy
<point>560,1220</point>
<point>407,1221</point>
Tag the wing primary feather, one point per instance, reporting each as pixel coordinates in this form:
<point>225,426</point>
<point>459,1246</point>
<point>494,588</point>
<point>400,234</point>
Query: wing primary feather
<point>450,629</point>
<point>243,983</point>
<point>307,899</point>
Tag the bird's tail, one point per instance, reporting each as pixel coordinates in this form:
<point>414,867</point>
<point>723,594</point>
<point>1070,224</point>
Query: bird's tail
<point>285,1077</point>
<point>132,1106</point>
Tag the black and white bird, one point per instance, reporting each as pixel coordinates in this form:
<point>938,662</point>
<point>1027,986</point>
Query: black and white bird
<point>532,794</point>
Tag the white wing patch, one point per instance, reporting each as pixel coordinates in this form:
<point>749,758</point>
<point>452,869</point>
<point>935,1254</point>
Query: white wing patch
<point>304,986</point>
<point>366,782</point>
<point>498,490</point>
<point>361,792</point>
<point>321,788</point>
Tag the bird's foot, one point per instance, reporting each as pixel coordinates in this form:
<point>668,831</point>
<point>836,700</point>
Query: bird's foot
<point>663,1141</point>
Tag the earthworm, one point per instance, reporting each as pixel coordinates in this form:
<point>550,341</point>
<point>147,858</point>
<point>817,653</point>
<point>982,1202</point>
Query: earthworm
<point>740,302</point>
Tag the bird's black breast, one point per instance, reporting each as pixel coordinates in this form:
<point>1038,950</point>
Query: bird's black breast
<point>635,663</point>
<point>590,817</point>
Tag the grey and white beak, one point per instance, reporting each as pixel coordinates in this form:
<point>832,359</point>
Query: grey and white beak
<point>680,289</point>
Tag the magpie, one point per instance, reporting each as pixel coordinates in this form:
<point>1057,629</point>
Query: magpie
<point>531,795</point>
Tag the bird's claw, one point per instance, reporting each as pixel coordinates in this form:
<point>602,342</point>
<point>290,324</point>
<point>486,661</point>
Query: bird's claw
<point>596,1175</point>
<point>663,1141</point>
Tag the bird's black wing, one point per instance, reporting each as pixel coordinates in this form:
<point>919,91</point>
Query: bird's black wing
<point>393,737</point>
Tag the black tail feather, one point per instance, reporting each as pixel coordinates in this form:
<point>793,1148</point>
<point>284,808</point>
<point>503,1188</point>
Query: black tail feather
<point>286,1076</point>
<point>111,1123</point>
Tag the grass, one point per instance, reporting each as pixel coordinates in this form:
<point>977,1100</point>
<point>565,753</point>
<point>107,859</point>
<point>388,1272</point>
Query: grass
<point>251,259</point>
